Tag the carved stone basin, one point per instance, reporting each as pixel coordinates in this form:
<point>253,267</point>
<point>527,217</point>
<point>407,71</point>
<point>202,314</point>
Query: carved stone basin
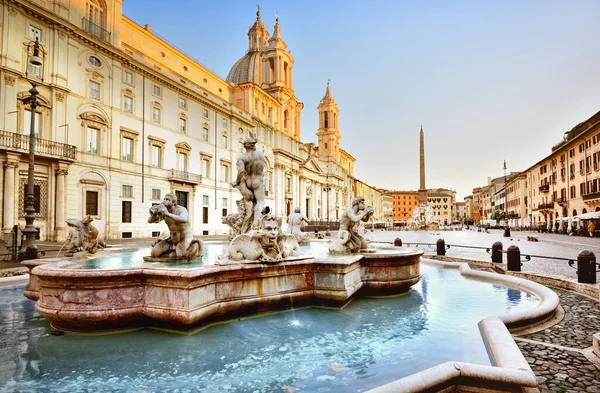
<point>76,299</point>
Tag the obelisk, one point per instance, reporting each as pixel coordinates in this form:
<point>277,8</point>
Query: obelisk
<point>422,189</point>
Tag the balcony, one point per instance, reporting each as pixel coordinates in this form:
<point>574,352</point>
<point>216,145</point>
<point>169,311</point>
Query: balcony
<point>545,188</point>
<point>546,206</point>
<point>184,177</point>
<point>43,147</point>
<point>513,215</point>
<point>96,30</point>
<point>561,201</point>
<point>592,197</point>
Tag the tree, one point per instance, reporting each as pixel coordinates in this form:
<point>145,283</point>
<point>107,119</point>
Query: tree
<point>497,216</point>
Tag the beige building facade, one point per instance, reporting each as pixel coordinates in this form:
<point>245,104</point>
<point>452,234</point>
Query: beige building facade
<point>126,117</point>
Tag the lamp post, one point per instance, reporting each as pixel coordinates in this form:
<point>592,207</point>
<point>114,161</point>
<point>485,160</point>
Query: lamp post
<point>35,57</point>
<point>506,227</point>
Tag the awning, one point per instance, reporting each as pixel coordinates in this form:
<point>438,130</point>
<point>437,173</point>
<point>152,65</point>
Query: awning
<point>589,216</point>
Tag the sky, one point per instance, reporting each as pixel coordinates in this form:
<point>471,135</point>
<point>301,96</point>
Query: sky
<point>488,80</point>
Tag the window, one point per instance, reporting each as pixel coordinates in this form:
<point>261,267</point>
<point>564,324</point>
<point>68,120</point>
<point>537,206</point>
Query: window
<point>224,172</point>
<point>205,201</point>
<point>225,206</point>
<point>128,77</point>
<point>182,198</point>
<point>125,211</point>
<point>224,140</point>
<point>37,193</point>
<point>34,33</point>
<point>156,155</point>
<point>27,123</point>
<point>91,203</point>
<point>205,133</point>
<point>206,167</point>
<point>157,91</point>
<point>182,125</point>
<point>127,149</point>
<point>288,184</point>
<point>156,113</point>
<point>182,103</point>
<point>571,153</point>
<point>224,122</point>
<point>127,104</point>
<point>126,191</point>
<point>205,214</point>
<point>182,162</point>
<point>205,113</point>
<point>93,140</point>
<point>95,61</point>
<point>94,90</point>
<point>572,192</point>
<point>156,193</point>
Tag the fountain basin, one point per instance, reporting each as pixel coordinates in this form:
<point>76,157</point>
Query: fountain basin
<point>86,300</point>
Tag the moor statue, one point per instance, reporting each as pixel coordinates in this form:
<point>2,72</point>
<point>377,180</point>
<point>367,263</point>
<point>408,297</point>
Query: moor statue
<point>267,244</point>
<point>249,181</point>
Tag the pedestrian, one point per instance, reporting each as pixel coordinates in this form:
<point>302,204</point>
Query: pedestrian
<point>591,228</point>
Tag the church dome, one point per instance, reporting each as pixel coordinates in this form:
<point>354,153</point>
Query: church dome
<point>246,69</point>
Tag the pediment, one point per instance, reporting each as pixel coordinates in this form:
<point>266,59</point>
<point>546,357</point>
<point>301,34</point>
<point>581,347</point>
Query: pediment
<point>183,146</point>
<point>313,166</point>
<point>93,117</point>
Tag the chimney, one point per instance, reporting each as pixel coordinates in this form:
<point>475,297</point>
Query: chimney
<point>147,27</point>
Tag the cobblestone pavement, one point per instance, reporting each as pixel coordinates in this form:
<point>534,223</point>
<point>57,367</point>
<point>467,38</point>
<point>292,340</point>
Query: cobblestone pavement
<point>556,353</point>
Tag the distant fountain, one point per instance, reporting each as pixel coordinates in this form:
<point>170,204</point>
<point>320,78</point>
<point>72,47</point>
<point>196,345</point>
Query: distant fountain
<point>423,219</point>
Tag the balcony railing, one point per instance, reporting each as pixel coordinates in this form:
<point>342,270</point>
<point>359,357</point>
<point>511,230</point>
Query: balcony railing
<point>546,206</point>
<point>96,30</point>
<point>46,147</point>
<point>592,196</point>
<point>545,188</point>
<point>185,177</point>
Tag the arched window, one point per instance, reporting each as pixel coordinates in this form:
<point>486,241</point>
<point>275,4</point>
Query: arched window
<point>285,73</point>
<point>95,12</point>
<point>285,119</point>
<point>326,120</point>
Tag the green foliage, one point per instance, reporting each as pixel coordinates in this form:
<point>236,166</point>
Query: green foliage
<point>496,216</point>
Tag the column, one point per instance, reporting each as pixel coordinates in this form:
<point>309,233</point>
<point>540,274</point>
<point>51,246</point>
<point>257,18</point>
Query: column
<point>9,195</point>
<point>61,174</point>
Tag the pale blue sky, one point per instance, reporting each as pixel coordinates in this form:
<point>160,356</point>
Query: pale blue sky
<point>488,80</point>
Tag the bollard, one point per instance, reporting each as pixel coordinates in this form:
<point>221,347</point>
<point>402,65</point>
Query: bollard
<point>397,242</point>
<point>586,267</point>
<point>441,247</point>
<point>497,252</point>
<point>513,258</point>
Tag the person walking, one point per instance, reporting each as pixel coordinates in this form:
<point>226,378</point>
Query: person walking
<point>591,228</point>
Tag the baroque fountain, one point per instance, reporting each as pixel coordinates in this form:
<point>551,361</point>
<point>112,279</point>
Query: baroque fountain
<point>263,269</point>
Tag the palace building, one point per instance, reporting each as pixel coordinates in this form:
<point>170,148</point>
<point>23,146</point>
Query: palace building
<point>126,117</point>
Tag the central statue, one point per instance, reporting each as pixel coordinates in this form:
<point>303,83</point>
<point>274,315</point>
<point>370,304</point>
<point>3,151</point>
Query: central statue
<point>249,181</point>
<point>350,241</point>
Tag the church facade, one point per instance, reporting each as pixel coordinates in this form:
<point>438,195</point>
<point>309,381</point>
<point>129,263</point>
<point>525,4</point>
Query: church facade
<point>125,117</point>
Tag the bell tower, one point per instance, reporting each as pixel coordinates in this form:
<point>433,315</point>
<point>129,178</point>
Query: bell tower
<point>328,134</point>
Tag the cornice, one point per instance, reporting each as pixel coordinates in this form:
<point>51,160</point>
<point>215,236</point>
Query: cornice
<point>117,54</point>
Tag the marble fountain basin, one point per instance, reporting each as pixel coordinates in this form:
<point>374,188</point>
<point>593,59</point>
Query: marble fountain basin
<point>75,298</point>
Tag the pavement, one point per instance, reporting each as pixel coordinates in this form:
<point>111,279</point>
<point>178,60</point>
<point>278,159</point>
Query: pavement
<point>559,351</point>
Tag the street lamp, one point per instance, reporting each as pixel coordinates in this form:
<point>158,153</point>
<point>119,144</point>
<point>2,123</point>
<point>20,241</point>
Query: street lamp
<point>506,227</point>
<point>327,189</point>
<point>35,57</point>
